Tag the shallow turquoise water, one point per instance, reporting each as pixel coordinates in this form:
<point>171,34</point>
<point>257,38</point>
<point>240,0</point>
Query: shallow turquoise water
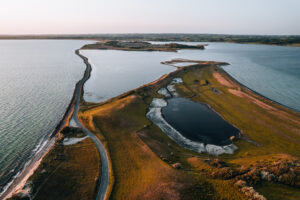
<point>37,79</point>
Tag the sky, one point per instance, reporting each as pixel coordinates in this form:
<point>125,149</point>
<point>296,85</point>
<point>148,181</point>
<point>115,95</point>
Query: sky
<point>263,17</point>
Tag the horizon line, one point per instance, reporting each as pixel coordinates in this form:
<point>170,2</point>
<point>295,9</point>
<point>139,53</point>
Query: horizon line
<point>136,33</point>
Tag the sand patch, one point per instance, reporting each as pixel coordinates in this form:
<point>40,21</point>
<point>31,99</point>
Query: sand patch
<point>71,141</point>
<point>252,99</point>
<point>106,109</point>
<point>222,80</point>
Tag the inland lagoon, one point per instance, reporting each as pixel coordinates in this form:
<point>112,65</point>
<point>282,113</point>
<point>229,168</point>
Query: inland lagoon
<point>198,122</point>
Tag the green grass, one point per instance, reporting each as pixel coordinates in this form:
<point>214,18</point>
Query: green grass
<point>278,191</point>
<point>225,189</point>
<point>275,134</point>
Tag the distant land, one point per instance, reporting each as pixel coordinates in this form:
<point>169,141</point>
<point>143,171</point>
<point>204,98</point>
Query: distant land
<point>140,46</point>
<point>283,40</point>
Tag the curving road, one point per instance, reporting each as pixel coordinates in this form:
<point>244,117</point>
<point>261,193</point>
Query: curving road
<point>104,176</point>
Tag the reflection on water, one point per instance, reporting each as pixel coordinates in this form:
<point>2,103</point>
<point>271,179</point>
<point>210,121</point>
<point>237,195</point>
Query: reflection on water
<point>272,71</point>
<point>116,72</point>
<point>197,122</point>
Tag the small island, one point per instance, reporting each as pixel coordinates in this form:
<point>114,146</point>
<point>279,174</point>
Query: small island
<point>140,46</point>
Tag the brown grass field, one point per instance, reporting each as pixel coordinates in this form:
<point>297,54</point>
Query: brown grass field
<point>137,146</point>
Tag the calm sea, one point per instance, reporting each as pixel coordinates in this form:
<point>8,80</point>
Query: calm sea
<point>37,79</point>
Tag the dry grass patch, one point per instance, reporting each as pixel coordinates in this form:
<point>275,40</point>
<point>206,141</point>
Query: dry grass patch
<point>138,172</point>
<point>67,172</point>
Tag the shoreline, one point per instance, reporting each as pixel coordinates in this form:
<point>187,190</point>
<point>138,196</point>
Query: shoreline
<point>157,117</point>
<point>163,80</point>
<point>282,109</point>
<point>295,111</point>
<point>222,66</point>
<point>159,81</point>
<point>16,185</point>
<point>132,106</point>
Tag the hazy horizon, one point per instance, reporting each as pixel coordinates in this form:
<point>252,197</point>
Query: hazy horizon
<point>249,17</point>
<point>136,33</point>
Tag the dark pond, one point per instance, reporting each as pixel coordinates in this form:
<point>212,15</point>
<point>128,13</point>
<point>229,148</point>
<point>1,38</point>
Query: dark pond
<point>198,122</point>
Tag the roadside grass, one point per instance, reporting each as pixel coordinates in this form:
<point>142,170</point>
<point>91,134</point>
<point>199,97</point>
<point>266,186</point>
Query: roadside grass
<point>67,172</point>
<point>136,168</point>
<point>139,172</point>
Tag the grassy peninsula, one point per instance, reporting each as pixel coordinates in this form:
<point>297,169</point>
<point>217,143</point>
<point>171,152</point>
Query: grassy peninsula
<point>144,159</point>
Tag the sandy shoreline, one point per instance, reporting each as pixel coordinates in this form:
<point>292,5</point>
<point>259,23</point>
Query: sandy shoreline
<point>258,94</point>
<point>20,181</point>
<point>17,185</point>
